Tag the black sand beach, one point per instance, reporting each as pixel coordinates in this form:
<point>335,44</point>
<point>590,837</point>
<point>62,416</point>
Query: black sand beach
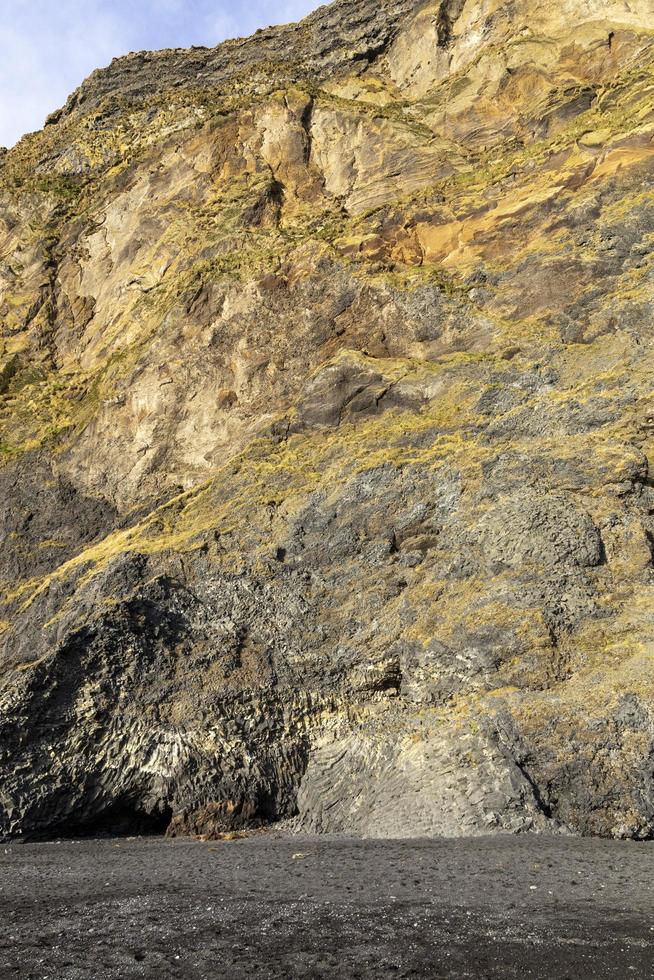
<point>279,907</point>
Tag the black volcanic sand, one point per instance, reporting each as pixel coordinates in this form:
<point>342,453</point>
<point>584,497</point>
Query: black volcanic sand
<point>283,907</point>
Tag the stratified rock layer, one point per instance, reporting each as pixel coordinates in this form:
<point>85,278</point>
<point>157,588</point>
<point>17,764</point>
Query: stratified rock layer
<point>326,421</point>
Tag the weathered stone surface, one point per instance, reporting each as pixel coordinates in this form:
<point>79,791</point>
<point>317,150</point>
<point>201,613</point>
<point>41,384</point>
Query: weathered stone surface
<point>325,432</point>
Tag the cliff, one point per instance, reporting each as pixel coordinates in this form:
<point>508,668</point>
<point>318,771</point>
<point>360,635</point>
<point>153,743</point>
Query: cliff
<point>326,419</point>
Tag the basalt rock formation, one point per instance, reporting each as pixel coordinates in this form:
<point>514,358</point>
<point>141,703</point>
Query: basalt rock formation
<point>326,419</point>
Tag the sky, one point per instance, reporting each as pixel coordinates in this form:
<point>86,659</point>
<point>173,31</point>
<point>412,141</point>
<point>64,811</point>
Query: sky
<point>47,47</point>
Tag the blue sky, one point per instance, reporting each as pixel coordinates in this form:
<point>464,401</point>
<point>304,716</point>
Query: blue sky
<point>47,47</point>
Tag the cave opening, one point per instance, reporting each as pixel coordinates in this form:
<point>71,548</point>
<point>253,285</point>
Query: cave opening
<point>119,819</point>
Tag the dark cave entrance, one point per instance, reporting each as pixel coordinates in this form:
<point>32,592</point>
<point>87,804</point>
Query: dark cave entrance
<point>119,819</point>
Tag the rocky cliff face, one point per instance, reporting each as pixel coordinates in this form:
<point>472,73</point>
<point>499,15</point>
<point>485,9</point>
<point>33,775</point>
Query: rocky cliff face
<point>326,419</point>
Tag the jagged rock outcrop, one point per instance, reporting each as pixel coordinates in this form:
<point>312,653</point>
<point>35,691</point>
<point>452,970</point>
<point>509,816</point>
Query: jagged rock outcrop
<point>326,423</point>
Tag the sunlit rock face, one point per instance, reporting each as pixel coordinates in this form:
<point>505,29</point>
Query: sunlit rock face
<point>326,418</point>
